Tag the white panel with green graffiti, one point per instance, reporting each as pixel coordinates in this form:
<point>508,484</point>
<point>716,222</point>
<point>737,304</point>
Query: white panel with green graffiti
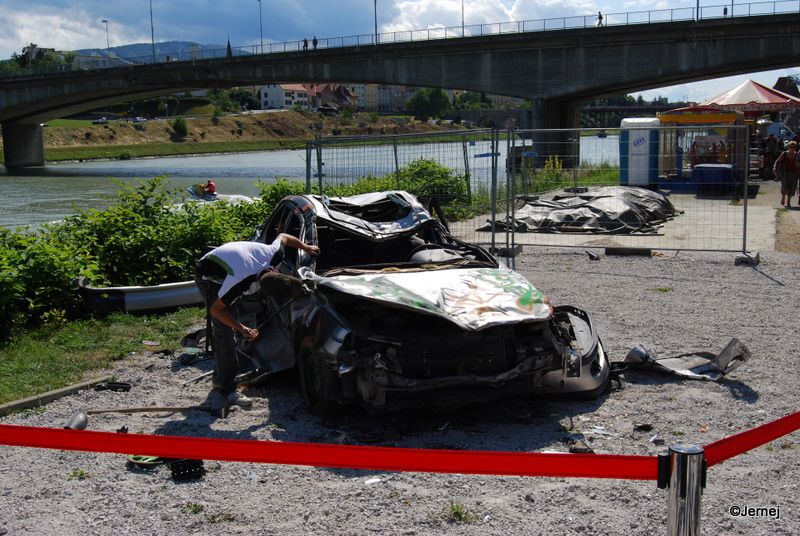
<point>474,298</point>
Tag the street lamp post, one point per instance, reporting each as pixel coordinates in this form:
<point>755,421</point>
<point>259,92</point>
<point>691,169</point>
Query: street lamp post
<point>261,26</point>
<point>152,33</point>
<point>108,43</point>
<point>462,18</point>
<point>376,20</point>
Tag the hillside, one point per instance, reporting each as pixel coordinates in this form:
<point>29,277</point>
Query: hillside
<point>283,125</point>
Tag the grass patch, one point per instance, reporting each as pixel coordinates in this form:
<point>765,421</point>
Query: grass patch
<point>125,152</point>
<point>457,512</point>
<point>664,289</point>
<point>78,474</point>
<point>69,123</point>
<point>193,507</point>
<point>49,358</point>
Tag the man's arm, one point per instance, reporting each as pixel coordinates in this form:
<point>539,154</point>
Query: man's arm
<point>293,242</point>
<point>220,311</point>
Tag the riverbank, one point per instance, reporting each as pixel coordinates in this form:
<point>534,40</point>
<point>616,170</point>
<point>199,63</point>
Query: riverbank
<point>285,129</point>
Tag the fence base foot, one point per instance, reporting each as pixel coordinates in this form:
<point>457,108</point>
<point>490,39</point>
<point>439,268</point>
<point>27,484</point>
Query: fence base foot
<point>641,252</point>
<point>508,252</point>
<point>748,259</point>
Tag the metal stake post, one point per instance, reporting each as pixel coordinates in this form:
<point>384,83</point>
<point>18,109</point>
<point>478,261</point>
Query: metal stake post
<point>320,174</point>
<point>494,149</point>
<point>686,482</point>
<point>746,181</point>
<point>308,167</point>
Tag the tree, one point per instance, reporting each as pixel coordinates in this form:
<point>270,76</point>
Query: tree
<point>244,99</point>
<point>179,126</point>
<point>471,100</point>
<point>221,98</point>
<point>429,102</point>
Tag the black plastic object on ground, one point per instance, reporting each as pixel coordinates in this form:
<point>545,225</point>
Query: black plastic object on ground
<point>187,469</point>
<point>113,386</point>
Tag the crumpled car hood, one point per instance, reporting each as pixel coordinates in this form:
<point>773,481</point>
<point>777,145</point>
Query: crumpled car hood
<point>474,298</point>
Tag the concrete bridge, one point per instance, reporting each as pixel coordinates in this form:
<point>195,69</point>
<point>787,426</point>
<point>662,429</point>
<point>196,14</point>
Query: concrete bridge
<point>556,69</point>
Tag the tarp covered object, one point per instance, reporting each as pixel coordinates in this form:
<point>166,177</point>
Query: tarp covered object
<point>609,209</point>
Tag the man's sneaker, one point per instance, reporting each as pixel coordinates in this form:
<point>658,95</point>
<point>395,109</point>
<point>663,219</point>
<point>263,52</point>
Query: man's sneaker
<point>238,399</point>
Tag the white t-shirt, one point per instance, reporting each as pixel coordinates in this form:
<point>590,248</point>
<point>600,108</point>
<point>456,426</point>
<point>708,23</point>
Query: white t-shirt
<point>242,262</point>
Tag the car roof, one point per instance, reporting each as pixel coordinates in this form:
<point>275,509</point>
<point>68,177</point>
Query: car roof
<point>377,214</point>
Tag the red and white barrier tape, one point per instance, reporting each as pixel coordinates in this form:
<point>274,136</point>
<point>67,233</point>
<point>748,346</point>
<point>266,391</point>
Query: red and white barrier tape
<point>386,458</point>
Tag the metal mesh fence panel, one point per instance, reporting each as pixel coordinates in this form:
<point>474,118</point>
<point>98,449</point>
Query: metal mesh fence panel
<point>454,170</point>
<point>639,186</point>
<point>685,188</point>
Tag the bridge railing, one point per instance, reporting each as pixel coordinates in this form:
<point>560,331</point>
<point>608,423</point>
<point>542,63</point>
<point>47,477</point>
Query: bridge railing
<point>723,10</point>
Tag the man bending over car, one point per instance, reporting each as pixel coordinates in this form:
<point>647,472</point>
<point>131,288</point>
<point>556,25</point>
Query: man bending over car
<point>222,275</point>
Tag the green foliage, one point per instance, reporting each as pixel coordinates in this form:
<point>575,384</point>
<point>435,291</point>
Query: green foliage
<point>426,179</point>
<point>143,238</point>
<point>549,177</point>
<point>179,126</point>
<point>429,102</point>
<point>53,356</point>
<point>243,99</point>
<point>34,60</point>
<point>193,508</point>
<point>221,98</point>
<point>457,512</point>
<point>471,100</point>
<point>78,474</point>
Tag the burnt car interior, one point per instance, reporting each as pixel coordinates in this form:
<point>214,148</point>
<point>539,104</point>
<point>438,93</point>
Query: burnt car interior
<point>342,248</point>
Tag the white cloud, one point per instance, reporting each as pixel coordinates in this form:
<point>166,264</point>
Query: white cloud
<point>61,29</point>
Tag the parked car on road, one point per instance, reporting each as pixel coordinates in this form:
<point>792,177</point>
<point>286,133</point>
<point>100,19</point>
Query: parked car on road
<point>100,121</point>
<point>396,312</point>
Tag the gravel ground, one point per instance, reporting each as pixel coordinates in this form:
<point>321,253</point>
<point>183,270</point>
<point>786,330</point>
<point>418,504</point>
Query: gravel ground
<point>672,303</point>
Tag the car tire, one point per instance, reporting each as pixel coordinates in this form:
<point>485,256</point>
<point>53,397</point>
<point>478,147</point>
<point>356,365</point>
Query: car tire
<point>320,385</point>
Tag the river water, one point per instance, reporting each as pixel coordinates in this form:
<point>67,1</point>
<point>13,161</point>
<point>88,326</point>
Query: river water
<point>40,195</point>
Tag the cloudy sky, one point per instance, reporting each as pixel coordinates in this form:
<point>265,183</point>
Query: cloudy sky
<point>76,24</point>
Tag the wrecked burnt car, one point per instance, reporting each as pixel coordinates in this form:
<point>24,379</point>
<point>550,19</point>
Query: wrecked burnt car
<point>397,312</point>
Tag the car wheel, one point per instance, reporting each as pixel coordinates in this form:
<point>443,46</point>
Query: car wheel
<point>319,383</point>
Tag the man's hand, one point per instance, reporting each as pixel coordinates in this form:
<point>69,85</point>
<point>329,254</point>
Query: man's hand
<point>314,250</point>
<point>250,334</point>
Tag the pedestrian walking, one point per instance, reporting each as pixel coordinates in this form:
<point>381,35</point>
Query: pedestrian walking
<point>305,43</point>
<point>314,42</point>
<point>599,19</point>
<point>787,170</point>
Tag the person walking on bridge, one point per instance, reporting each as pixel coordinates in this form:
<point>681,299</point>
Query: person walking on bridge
<point>599,19</point>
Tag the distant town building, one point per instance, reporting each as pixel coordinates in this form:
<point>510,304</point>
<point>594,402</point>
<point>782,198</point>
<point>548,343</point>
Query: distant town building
<point>284,96</point>
<point>331,96</point>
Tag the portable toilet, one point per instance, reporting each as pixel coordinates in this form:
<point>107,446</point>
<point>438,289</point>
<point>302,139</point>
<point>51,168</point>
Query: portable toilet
<point>638,151</point>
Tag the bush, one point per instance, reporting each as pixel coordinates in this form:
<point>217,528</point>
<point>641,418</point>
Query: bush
<point>428,179</point>
<point>179,127</point>
<point>143,238</point>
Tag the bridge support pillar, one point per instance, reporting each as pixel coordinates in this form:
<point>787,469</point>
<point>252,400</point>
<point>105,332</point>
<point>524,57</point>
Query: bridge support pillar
<point>23,145</point>
<point>563,118</point>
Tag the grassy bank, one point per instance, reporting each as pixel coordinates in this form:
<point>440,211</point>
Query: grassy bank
<point>126,152</point>
<point>56,356</point>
